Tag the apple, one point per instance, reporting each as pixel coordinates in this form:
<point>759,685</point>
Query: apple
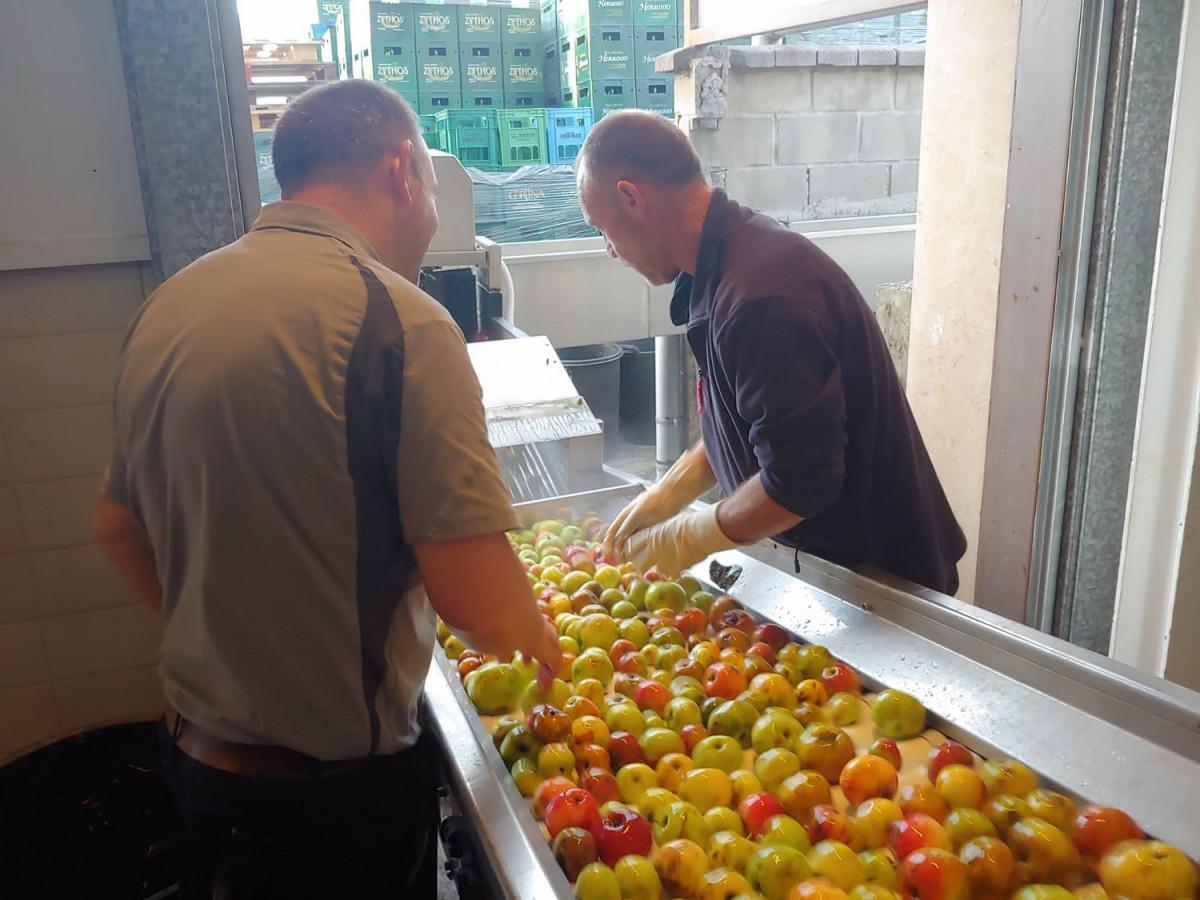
<point>691,621</point>
<point>547,791</point>
<point>775,688</point>
<point>658,742</point>
<point>619,648</point>
<point>931,873</point>
<point>785,830</point>
<point>692,735</point>
<point>898,715</point>
<point>519,743</point>
<point>1044,854</point>
<point>503,726</point>
<point>598,630</point>
<point>840,678</point>
<point>572,807</point>
<point>888,749</point>
<point>991,868</point>
<point>681,864</point>
<point>872,817</point>
<point>667,635</point>
<point>589,730</point>
<point>811,691</point>
<point>574,849</point>
<point>494,687</point>
<point>600,783</point>
<point>774,766</point>
<point>745,783</point>
<point>922,797</point>
<point>624,715</point>
<point>597,882</point>
<point>963,824</point>
<point>1043,892</point>
<point>736,618</point>
<point>755,809</point>
<point>703,600</point>
<point>1003,810</point>
<point>868,776</point>
<point>623,748</point>
<point>1007,776</point>
<point>526,776</point>
<point>592,663</point>
<point>843,708</point>
<point>635,631</point>
<point>578,705</point>
<point>1148,870</point>
<point>680,711</point>
<point>813,659</point>
<point>801,792</point>
<point>678,820</point>
<point>878,868</point>
<point>817,889</point>
<point>770,634</point>
<point>706,788</point>
<point>915,831</point>
<point>555,759</point>
<point>728,848</point>
<point>773,870</point>
<point>634,779</point>
<point>723,818</point>
<point>961,786</point>
<point>735,718</point>
<point>1099,827</point>
<point>665,594</point>
<point>623,832</point>
<point>775,728</point>
<point>1055,808</point>
<point>828,823</point>
<point>826,749</point>
<point>1090,892</point>
<point>652,695</point>
<point>722,883</point>
<point>724,681</point>
<point>758,701</point>
<point>548,724</point>
<point>671,768</point>
<point>946,753</point>
<point>837,862</point>
<point>654,799</point>
<point>637,879</point>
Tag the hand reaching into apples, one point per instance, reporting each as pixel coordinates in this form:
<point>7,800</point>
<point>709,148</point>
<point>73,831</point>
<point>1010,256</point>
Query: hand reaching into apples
<point>679,542</point>
<point>545,649</point>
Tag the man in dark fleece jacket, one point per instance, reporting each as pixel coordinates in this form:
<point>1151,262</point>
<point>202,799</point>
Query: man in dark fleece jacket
<point>803,419</point>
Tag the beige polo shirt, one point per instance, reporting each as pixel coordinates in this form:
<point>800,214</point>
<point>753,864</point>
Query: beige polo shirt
<point>291,416</point>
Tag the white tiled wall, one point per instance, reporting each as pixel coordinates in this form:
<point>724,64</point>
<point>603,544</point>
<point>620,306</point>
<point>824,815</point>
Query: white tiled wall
<point>76,646</point>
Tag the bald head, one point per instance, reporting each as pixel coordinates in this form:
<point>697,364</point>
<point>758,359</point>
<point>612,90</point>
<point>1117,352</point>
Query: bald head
<point>639,146</point>
<point>339,131</point>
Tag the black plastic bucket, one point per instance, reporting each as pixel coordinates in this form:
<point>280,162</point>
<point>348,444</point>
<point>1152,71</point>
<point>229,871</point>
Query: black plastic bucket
<point>595,370</point>
<point>637,392</point>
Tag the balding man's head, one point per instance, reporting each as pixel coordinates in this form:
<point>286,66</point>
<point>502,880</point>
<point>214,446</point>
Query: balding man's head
<point>340,131</point>
<point>639,146</point>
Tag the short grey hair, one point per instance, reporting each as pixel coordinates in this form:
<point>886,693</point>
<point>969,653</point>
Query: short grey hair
<point>636,144</point>
<point>341,128</point>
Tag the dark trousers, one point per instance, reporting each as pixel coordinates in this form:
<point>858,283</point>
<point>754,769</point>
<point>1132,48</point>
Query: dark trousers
<point>370,832</point>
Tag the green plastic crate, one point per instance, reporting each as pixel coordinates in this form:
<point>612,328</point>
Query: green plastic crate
<point>472,135</point>
<point>523,137</point>
<point>429,131</point>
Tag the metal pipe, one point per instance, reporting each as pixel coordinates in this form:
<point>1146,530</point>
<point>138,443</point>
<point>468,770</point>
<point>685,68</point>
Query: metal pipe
<point>670,431</point>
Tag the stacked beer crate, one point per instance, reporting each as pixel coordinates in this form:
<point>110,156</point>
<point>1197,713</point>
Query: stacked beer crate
<point>602,53</point>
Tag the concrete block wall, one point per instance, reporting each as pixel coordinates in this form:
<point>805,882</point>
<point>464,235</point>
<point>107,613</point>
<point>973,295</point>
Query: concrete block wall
<point>77,649</point>
<point>806,133</point>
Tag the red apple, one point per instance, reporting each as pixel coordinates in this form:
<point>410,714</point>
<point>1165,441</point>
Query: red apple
<point>828,823</point>
<point>622,832</point>
<point>764,652</point>
<point>547,791</point>
<point>623,748</point>
<point>732,639</point>
<point>933,874</point>
<point>600,783</point>
<point>691,621</point>
<point>692,735</point>
<point>720,606</point>
<point>619,648</point>
<point>572,807</point>
<point>755,809</point>
<point>948,753</point>
<point>771,634</point>
<point>1099,827</point>
<point>548,723</point>
<point>738,619</point>
<point>724,681</point>
<point>915,831</point>
<point>840,677</point>
<point>652,695</point>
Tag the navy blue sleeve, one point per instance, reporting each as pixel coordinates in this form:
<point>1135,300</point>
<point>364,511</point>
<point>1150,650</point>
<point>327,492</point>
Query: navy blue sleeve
<point>788,383</point>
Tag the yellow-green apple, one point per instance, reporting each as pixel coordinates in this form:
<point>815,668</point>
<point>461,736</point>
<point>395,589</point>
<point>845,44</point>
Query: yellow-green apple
<point>1007,776</point>
<point>777,690</point>
<point>589,730</point>
<point>1055,808</point>
<point>671,768</point>
<point>597,882</point>
<point>801,792</point>
<point>783,829</point>
<point>837,862</point>
<point>706,788</point>
<point>1043,892</point>
<point>681,864</point>
<point>1044,854</point>
<point>810,690</point>
<point>680,711</point>
<point>826,749</point>
<point>518,743</point>
<point>658,742</point>
<point>991,868</point>
<point>843,708</point>
<point>634,779</point>
<point>678,820</point>
<point>878,868</point>
<point>867,776</point>
<point>494,687</point>
<point>555,759</point>
<point>637,878</point>
<point>722,883</point>
<point>592,663</point>
<point>773,870</point>
<point>888,749</point>
<point>961,786</point>
<point>1002,810</point>
<point>963,824</point>
<point>898,715</point>
<point>526,776</point>
<point>624,715</point>
<point>728,848</point>
<point>1148,870</point>
<point>922,797</point>
<point>723,818</point>
<point>735,718</point>
<point>776,727</point>
<point>872,818</point>
<point>774,766</point>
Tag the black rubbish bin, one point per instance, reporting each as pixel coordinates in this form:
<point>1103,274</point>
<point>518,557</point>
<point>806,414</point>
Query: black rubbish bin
<point>637,392</point>
<point>595,370</point>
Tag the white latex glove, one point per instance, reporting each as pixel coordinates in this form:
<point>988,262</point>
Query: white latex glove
<point>679,542</point>
<point>690,477</point>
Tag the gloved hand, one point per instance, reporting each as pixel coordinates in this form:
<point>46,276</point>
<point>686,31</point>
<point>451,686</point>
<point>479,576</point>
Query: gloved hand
<point>690,477</point>
<point>679,542</point>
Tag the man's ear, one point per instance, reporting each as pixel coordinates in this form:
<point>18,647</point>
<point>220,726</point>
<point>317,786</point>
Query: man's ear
<point>631,198</point>
<point>401,171</point>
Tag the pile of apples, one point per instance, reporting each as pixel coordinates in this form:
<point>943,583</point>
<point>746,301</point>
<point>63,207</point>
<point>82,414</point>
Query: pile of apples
<point>687,750</point>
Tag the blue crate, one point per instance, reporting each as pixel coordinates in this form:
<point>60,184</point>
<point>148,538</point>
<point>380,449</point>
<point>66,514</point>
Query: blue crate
<point>566,129</point>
